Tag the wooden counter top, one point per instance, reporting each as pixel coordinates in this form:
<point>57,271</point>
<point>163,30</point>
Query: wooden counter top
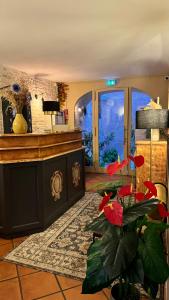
<point>147,142</point>
<point>21,147</point>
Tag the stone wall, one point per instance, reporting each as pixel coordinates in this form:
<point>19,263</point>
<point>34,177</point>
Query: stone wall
<point>40,87</point>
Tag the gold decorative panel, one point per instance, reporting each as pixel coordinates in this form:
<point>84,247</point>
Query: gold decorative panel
<point>56,184</point>
<point>76,174</point>
<point>156,154</point>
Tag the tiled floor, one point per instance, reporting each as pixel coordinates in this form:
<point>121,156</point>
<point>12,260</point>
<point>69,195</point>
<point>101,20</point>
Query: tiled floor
<point>21,283</point>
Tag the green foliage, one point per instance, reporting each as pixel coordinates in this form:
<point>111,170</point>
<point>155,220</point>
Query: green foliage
<point>152,254</point>
<point>139,209</point>
<point>150,287</point>
<point>107,156</point>
<point>135,273</point>
<point>106,141</point>
<point>132,142</point>
<point>128,253</point>
<point>88,143</point>
<point>109,187</point>
<point>106,258</point>
<point>125,291</point>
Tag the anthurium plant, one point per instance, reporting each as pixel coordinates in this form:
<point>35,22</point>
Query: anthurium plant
<point>130,250</point>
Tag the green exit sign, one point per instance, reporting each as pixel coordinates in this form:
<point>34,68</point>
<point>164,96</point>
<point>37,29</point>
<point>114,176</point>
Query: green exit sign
<point>111,82</point>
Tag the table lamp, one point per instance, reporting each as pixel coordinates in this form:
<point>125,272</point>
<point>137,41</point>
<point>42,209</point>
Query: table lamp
<point>51,108</point>
<point>153,119</point>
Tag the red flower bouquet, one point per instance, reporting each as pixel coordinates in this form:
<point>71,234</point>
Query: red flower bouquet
<point>130,251</point>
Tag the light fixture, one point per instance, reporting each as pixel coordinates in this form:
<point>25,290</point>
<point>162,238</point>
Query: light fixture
<point>111,82</point>
<point>153,119</point>
<point>51,108</point>
<point>79,109</point>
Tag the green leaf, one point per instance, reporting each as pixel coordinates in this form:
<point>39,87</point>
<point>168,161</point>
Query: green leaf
<point>150,287</point>
<point>108,258</point>
<point>109,188</point>
<point>135,272</point>
<point>99,225</point>
<point>139,209</point>
<point>157,226</point>
<point>152,254</point>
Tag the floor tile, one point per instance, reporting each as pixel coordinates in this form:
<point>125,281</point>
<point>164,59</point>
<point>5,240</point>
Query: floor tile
<point>7,270</point>
<point>9,290</point>
<point>5,249</point>
<point>19,240</point>
<point>5,241</point>
<point>38,284</point>
<point>23,238</point>
<point>56,296</point>
<point>67,283</point>
<point>25,271</point>
<point>75,294</point>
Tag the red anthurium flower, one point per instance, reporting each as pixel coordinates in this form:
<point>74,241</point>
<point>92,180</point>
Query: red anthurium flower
<point>114,213</point>
<point>105,199</point>
<point>139,196</point>
<point>152,192</point>
<point>138,160</point>
<point>149,195</point>
<point>162,211</point>
<point>123,163</point>
<point>125,190</point>
<point>112,168</point>
<point>151,187</point>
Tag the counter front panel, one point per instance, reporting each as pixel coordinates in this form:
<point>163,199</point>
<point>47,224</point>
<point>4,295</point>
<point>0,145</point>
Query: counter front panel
<point>34,193</point>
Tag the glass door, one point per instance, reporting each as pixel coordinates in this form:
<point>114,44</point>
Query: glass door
<point>138,100</point>
<point>110,127</point>
<point>107,120</point>
<point>84,120</point>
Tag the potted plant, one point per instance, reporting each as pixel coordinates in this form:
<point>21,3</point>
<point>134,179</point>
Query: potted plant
<point>129,254</point>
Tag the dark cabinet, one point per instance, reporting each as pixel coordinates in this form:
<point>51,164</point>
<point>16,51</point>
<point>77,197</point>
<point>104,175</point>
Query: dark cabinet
<point>34,194</point>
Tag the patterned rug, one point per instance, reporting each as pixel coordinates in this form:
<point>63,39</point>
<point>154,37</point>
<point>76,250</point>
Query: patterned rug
<point>62,248</point>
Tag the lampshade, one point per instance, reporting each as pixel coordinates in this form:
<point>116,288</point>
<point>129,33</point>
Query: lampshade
<point>51,106</point>
<point>152,119</point>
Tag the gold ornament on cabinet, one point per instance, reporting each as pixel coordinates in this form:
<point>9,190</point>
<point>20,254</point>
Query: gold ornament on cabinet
<point>56,184</point>
<point>76,174</point>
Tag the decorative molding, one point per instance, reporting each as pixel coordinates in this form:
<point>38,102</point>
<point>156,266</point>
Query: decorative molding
<point>56,184</point>
<point>76,174</point>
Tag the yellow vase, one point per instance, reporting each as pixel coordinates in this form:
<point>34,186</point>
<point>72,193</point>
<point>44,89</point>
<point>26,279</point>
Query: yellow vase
<point>19,124</point>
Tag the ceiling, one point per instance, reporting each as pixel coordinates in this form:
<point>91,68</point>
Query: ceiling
<point>75,40</point>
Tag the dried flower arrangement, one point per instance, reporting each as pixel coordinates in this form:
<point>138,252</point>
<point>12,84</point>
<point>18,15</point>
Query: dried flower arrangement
<point>18,95</point>
<point>62,92</point>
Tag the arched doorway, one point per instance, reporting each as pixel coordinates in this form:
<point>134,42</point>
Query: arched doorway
<point>84,120</point>
<point>107,120</point>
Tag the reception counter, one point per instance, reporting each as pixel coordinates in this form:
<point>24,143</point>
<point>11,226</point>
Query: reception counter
<point>41,176</point>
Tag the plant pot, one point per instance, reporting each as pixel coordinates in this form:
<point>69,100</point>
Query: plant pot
<point>125,291</point>
<point>19,124</point>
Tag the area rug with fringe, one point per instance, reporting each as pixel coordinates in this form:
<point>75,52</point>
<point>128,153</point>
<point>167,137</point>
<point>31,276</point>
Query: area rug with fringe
<point>62,248</point>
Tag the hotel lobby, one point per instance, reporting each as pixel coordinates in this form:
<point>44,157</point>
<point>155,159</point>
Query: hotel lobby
<point>84,91</point>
